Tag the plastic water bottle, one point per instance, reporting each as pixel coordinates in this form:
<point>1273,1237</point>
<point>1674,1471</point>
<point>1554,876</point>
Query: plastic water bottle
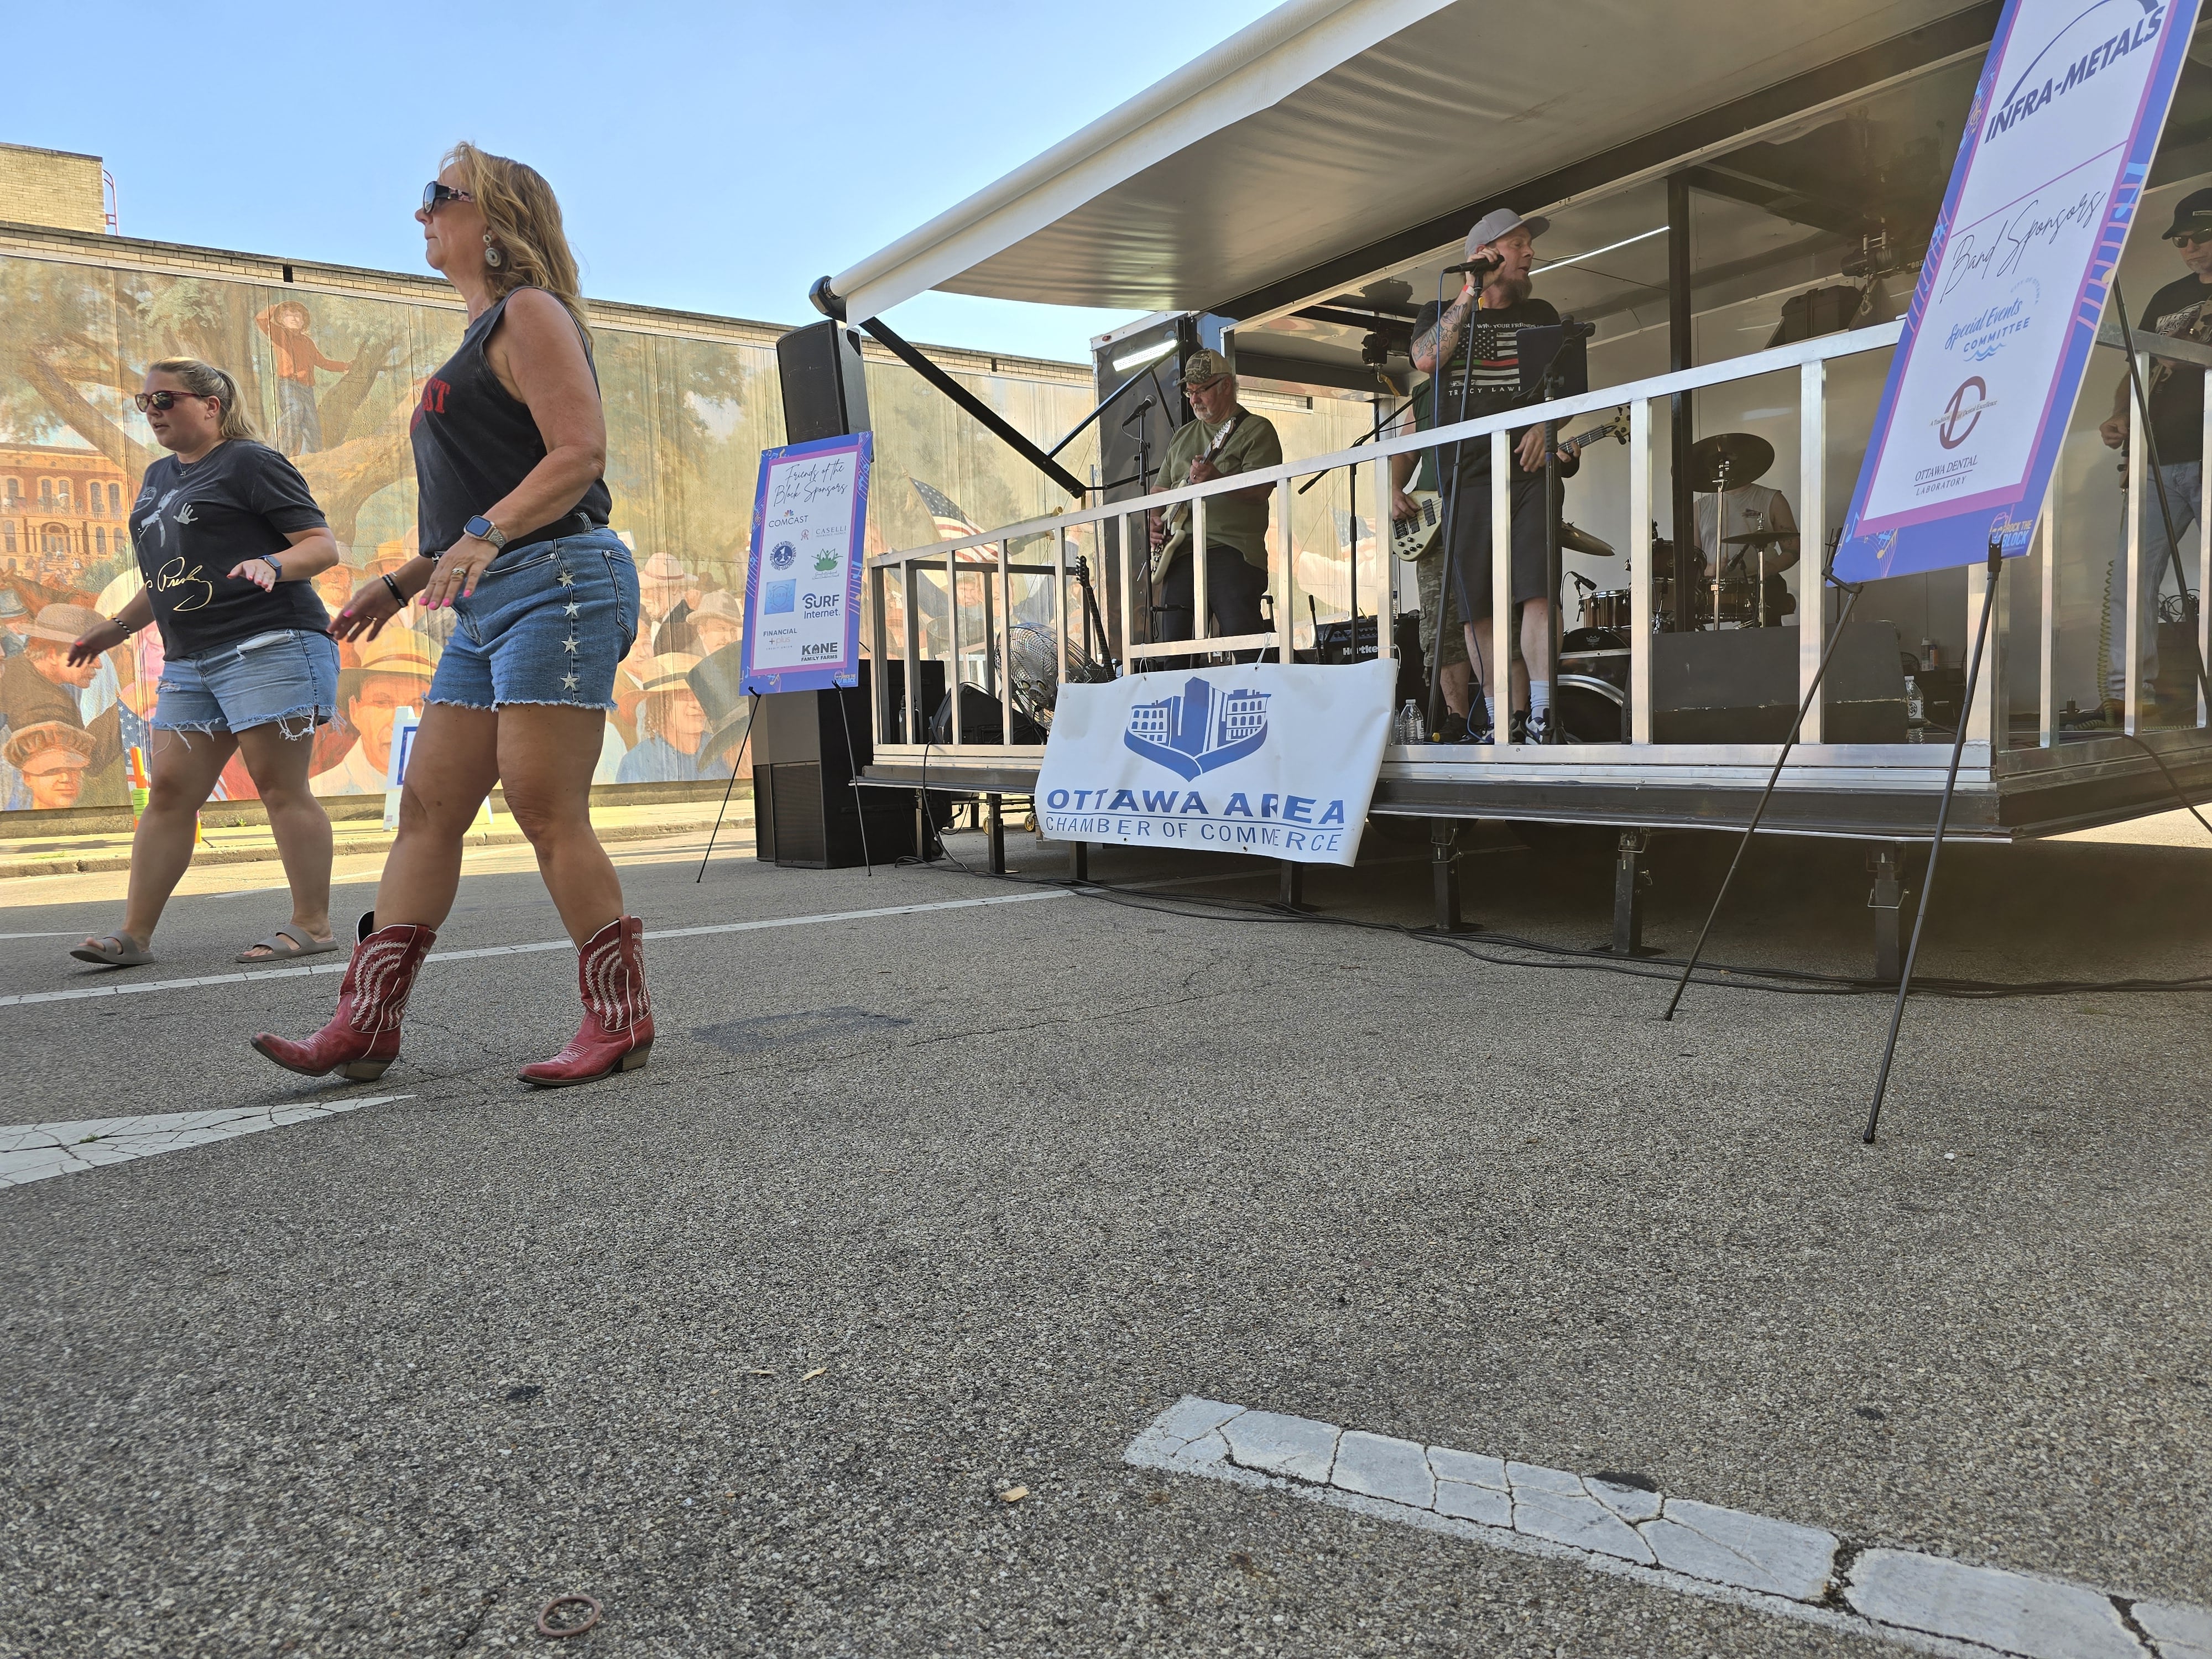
<point>1411,728</point>
<point>1915,712</point>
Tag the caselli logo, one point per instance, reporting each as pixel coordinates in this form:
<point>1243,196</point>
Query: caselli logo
<point>1198,731</point>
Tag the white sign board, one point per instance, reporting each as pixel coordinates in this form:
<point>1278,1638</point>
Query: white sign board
<point>1260,758</point>
<point>2057,152</point>
<point>803,586</point>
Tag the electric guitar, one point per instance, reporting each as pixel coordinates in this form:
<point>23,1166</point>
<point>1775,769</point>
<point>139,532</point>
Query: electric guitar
<point>1410,537</point>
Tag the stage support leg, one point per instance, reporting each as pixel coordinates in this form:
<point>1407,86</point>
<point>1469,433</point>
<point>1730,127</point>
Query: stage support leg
<point>1293,893</point>
<point>1082,861</point>
<point>1630,879</point>
<point>998,826</point>
<point>1888,902</point>
<point>927,846</point>
<point>1443,874</point>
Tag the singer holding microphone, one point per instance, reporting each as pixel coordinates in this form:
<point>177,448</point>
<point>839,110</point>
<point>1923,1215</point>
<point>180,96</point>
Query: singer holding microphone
<point>1470,349</point>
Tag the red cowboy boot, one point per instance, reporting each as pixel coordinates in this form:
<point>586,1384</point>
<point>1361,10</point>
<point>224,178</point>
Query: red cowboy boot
<point>363,1036</point>
<point>617,1028</point>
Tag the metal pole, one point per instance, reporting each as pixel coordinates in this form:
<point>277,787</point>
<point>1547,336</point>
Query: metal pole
<point>1681,352</point>
<point>750,716</point>
<point>1935,850</point>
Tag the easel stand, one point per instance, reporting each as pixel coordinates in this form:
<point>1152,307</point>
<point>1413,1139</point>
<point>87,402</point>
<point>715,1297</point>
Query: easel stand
<point>750,716</point>
<point>1767,795</point>
<point>1935,851</point>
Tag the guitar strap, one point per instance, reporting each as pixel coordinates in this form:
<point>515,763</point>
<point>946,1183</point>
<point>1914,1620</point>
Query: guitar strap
<point>1179,515</point>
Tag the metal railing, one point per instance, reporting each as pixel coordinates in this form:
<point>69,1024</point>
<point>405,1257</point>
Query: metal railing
<point>990,557</point>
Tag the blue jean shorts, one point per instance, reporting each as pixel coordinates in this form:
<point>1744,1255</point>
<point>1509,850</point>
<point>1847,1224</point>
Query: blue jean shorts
<point>288,676</point>
<point>549,623</point>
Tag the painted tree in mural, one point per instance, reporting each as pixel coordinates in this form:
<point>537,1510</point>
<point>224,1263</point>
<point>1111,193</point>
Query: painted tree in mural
<point>76,342</point>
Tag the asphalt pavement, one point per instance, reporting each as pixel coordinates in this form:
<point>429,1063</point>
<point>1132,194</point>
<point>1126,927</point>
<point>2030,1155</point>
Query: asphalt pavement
<point>916,1211</point>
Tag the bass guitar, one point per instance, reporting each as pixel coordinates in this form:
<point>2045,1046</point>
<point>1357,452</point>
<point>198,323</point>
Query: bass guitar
<point>1411,538</point>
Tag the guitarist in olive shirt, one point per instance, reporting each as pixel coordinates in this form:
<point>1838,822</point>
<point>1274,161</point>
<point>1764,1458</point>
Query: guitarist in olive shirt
<point>1224,439</point>
<point>2182,308</point>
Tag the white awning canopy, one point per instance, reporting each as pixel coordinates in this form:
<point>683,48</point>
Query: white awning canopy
<point>1329,125</point>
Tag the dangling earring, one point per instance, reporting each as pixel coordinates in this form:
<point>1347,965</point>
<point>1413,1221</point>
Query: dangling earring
<point>493,257</point>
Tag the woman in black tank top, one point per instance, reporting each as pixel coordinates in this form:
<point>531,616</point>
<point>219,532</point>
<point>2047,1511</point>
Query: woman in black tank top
<point>509,448</point>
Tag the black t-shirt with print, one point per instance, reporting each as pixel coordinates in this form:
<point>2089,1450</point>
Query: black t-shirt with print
<point>1492,338</point>
<point>191,524</point>
<point>2176,407</point>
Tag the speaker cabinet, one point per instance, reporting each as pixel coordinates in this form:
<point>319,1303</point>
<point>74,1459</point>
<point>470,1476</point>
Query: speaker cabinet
<point>825,391</point>
<point>1740,685</point>
<point>806,814</point>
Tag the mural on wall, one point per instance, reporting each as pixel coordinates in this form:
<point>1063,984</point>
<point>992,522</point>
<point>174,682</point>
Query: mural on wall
<point>330,380</point>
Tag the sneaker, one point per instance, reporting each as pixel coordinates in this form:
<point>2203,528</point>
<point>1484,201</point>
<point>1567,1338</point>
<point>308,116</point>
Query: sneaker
<point>1475,733</point>
<point>1536,728</point>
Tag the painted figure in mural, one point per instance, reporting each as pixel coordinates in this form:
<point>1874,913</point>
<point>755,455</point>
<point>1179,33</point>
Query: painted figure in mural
<point>720,620</point>
<point>394,674</point>
<point>298,419</point>
<point>228,539</point>
<point>41,682</point>
<point>15,617</point>
<point>510,451</point>
<point>51,758</point>
<point>672,727</point>
<point>668,592</point>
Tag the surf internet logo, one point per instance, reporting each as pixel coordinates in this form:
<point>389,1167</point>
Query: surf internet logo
<point>1200,731</point>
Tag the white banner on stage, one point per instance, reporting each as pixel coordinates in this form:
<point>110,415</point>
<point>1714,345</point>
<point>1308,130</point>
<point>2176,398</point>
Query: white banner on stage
<point>1260,758</point>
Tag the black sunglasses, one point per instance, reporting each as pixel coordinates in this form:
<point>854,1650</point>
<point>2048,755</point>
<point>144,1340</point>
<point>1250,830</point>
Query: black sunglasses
<point>164,400</point>
<point>2191,237</point>
<point>436,195</point>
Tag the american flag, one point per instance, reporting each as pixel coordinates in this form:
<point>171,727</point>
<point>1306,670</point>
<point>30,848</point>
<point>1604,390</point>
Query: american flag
<point>944,512</point>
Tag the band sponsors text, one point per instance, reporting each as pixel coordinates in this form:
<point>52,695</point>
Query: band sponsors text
<point>1175,817</point>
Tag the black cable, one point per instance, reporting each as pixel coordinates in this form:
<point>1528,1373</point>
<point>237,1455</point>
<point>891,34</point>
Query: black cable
<point>2172,782</point>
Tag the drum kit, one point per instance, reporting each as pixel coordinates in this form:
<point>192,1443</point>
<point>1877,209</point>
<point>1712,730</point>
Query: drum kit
<point>1728,594</point>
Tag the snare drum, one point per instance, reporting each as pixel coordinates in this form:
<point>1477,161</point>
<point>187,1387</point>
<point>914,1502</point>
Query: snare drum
<point>1606,608</point>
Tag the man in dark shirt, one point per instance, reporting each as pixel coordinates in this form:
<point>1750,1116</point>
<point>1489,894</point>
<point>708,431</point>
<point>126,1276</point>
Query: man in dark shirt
<point>2182,308</point>
<point>1470,349</point>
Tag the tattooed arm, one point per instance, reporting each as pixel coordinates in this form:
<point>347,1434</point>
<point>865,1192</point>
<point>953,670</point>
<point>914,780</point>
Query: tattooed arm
<point>1436,343</point>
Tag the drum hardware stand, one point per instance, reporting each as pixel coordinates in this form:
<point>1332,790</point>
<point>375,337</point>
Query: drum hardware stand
<point>1852,598</point>
<point>1935,849</point>
<point>1888,900</point>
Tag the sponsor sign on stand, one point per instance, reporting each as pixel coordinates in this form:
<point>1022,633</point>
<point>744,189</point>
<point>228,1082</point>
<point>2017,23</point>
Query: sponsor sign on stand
<point>1276,760</point>
<point>803,584</point>
<point>2056,154</point>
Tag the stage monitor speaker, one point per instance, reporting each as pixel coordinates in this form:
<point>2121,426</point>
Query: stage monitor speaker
<point>1740,685</point>
<point>825,391</point>
<point>807,815</point>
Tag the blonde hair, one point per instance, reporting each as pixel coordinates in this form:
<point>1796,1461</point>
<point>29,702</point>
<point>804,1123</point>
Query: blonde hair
<point>209,381</point>
<point>524,219</point>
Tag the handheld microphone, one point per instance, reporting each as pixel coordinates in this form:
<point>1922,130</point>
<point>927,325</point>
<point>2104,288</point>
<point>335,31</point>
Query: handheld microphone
<point>1491,264</point>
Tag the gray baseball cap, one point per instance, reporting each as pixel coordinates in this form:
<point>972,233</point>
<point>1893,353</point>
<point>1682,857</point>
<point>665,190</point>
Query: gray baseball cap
<point>1499,220</point>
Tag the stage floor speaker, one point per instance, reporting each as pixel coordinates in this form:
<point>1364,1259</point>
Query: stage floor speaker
<point>1740,685</point>
<point>807,815</point>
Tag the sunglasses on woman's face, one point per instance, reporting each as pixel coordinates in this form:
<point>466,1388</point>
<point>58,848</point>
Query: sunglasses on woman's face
<point>435,196</point>
<point>164,400</point>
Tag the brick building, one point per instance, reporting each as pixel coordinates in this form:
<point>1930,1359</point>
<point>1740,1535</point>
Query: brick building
<point>60,511</point>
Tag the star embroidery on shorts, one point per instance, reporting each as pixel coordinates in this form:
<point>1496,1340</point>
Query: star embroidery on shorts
<point>568,681</point>
<point>572,609</point>
<point>568,645</point>
<point>566,580</point>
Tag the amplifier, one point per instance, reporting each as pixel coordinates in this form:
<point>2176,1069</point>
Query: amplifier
<point>807,815</point>
<point>1740,685</point>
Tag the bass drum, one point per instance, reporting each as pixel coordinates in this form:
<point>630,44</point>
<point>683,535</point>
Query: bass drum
<point>1589,709</point>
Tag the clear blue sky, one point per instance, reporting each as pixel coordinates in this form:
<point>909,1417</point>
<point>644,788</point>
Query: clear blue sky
<point>711,158</point>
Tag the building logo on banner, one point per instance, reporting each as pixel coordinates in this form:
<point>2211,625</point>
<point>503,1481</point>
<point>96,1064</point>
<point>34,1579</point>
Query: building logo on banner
<point>1198,731</point>
<point>1263,758</point>
<point>2056,154</point>
<point>803,621</point>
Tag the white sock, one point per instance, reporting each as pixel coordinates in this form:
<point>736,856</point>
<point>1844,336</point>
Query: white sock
<point>1539,699</point>
<point>1489,709</point>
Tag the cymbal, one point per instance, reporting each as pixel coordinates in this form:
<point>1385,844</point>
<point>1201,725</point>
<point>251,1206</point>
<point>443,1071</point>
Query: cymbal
<point>1734,457</point>
<point>1573,539</point>
<point>1757,537</point>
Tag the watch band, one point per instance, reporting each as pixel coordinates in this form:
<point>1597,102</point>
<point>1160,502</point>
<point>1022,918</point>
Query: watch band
<point>485,531</point>
<point>275,564</point>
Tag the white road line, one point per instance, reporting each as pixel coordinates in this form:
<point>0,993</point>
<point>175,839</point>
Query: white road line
<point>38,936</point>
<point>38,1151</point>
<point>123,988</point>
<point>1776,1567</point>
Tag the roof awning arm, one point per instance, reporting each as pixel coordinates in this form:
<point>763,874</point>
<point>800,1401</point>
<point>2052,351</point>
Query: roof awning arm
<point>982,411</point>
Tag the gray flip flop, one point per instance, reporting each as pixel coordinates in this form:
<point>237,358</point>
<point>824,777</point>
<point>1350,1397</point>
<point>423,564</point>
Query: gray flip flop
<point>126,954</point>
<point>286,943</point>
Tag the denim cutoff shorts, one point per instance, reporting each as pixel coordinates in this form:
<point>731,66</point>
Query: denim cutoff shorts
<point>549,623</point>
<point>288,675</point>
